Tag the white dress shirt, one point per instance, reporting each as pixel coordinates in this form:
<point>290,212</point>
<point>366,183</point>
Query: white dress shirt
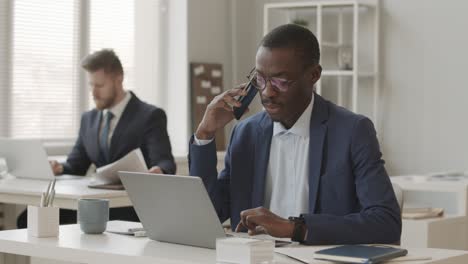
<point>287,179</point>
<point>117,110</point>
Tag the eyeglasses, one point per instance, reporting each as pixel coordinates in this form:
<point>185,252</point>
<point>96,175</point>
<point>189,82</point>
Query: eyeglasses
<point>260,82</point>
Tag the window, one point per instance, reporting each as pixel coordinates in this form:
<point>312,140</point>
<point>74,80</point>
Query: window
<point>44,79</point>
<point>45,45</point>
<point>43,90</point>
<point>5,32</point>
<point>112,26</point>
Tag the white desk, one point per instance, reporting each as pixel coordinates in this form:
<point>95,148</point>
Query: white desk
<point>74,246</point>
<point>67,192</point>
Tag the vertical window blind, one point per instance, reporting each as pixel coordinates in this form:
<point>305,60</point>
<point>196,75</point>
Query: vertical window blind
<point>44,80</point>
<point>4,65</point>
<point>43,40</point>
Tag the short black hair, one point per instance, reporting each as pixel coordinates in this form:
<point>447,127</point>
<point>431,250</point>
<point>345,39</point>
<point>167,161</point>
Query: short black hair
<point>105,59</point>
<point>299,38</point>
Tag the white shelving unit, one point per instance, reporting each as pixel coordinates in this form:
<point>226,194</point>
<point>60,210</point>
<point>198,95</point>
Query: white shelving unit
<point>355,25</point>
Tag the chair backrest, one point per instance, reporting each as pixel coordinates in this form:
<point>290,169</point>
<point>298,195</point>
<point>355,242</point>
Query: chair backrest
<point>398,194</point>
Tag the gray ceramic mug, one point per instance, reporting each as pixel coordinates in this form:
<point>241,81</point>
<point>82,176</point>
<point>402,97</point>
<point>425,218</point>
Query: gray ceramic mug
<point>93,215</point>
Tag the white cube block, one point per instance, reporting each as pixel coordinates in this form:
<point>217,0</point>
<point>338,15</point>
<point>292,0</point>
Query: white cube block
<point>43,221</point>
<point>244,250</point>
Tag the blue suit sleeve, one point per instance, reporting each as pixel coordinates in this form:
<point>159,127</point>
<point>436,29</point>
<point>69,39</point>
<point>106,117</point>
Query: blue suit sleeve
<point>157,144</point>
<point>379,220</point>
<point>78,161</point>
<point>202,163</point>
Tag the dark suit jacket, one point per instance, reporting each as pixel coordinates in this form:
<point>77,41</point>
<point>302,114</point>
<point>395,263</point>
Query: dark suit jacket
<point>140,126</point>
<point>351,199</point>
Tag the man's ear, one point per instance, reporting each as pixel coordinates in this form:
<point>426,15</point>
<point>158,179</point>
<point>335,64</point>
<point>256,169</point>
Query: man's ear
<point>120,77</point>
<point>317,73</point>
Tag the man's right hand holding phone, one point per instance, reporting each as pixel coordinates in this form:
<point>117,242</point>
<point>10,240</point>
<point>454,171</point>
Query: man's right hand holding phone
<point>219,113</point>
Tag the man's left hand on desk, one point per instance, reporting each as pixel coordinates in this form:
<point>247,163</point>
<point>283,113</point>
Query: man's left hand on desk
<point>262,221</point>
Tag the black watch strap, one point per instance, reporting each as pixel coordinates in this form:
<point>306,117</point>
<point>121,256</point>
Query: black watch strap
<point>299,228</point>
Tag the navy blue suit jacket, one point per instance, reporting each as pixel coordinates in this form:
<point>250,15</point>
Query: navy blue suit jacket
<point>351,199</point>
<point>141,126</point>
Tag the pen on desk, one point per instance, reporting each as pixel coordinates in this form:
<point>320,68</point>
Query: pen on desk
<point>48,188</point>
<point>46,194</point>
<point>51,199</point>
<point>53,184</point>
<point>42,200</point>
<point>49,192</point>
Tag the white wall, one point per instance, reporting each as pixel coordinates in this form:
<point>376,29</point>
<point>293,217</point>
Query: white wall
<point>209,38</point>
<point>209,34</point>
<point>218,34</point>
<point>177,83</point>
<point>147,50</point>
<point>246,35</point>
<point>424,54</point>
<point>161,41</point>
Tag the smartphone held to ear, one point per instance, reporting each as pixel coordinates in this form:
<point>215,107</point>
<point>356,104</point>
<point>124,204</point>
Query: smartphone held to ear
<point>245,101</point>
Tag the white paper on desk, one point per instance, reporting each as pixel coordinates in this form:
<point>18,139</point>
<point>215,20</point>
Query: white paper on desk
<point>133,162</point>
<point>122,227</point>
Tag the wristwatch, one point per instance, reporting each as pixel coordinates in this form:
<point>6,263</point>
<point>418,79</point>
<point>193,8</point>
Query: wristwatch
<point>300,228</point>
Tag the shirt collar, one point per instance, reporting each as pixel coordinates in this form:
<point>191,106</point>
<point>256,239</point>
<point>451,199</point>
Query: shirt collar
<point>302,125</point>
<point>117,110</point>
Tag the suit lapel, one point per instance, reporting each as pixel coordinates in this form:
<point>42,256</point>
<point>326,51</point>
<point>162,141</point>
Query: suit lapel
<point>317,142</point>
<point>262,155</point>
<point>121,126</point>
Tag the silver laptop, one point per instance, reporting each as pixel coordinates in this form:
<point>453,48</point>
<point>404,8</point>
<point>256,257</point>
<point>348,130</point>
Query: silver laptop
<point>26,158</point>
<point>175,209</point>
